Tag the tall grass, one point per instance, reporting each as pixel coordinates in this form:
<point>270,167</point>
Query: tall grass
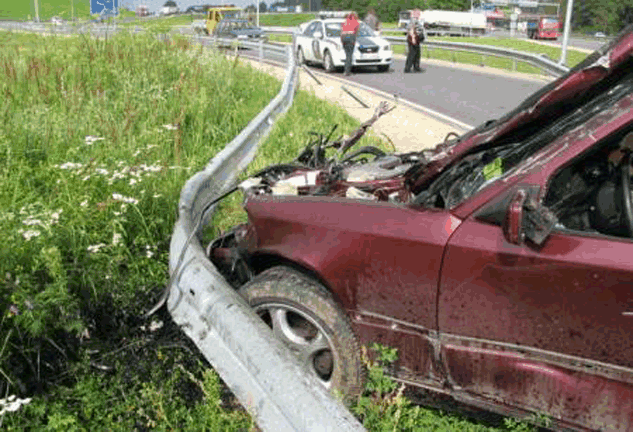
<point>96,140</point>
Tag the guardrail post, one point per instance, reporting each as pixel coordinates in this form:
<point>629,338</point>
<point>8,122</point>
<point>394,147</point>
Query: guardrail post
<point>261,50</point>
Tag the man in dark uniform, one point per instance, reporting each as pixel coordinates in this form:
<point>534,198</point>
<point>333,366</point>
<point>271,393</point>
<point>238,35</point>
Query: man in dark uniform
<point>415,35</point>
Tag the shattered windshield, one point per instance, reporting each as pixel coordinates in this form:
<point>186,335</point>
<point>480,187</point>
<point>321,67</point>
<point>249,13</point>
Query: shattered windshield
<point>478,170</point>
<point>333,29</point>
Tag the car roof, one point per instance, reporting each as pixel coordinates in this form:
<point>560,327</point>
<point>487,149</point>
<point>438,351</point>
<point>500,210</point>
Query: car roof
<point>330,20</point>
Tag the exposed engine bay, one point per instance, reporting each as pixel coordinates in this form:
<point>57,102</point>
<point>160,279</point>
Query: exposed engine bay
<point>365,173</point>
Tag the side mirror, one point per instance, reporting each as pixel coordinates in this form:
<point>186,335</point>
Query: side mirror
<point>318,35</point>
<point>525,219</point>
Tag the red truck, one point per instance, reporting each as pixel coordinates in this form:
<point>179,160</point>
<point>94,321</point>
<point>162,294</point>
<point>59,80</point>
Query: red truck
<point>543,28</point>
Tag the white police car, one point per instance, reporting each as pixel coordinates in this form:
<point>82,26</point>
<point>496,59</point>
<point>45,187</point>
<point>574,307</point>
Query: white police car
<point>319,41</point>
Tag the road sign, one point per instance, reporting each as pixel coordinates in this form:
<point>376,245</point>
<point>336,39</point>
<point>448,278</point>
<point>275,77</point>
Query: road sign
<point>104,7</point>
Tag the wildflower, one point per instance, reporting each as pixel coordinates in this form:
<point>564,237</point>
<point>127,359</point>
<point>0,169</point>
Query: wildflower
<point>116,239</point>
<point>84,203</point>
<point>102,171</point>
<point>70,166</point>
<point>127,200</point>
<point>90,139</point>
<point>13,310</point>
<point>132,182</point>
<point>55,217</point>
<point>151,168</point>
<point>29,234</point>
<point>96,248</point>
<point>86,178</point>
<point>29,221</point>
<point>172,126</point>
<point>12,404</point>
<point>154,325</point>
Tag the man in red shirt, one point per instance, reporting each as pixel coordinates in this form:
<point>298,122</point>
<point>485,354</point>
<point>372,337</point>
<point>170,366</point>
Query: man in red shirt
<point>348,39</point>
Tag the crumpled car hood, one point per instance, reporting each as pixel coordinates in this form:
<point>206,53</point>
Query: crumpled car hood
<point>546,105</point>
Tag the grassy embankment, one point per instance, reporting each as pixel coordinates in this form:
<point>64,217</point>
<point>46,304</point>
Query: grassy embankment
<point>97,137</point>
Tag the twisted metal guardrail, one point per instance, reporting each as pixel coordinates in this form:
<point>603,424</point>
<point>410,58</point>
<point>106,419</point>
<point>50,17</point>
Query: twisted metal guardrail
<point>539,61</point>
<point>259,369</point>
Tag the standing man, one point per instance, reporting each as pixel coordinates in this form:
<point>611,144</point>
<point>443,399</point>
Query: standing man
<point>415,35</point>
<point>372,20</point>
<point>349,30</point>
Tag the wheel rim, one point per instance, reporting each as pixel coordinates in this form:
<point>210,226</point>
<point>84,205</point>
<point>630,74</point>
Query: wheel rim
<point>303,336</point>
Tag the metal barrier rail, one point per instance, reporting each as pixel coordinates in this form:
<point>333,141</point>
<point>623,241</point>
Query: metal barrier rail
<point>539,61</point>
<point>264,375</point>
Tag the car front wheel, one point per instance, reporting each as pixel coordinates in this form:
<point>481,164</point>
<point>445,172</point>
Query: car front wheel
<point>303,315</point>
<point>328,64</point>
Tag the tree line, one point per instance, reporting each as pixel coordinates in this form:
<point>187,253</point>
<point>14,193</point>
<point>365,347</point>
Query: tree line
<point>387,11</point>
<point>609,16</point>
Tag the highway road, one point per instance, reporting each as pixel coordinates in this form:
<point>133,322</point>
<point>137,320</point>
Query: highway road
<point>469,96</point>
<point>464,94</point>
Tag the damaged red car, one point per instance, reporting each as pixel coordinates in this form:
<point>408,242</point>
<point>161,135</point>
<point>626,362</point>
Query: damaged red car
<point>499,264</point>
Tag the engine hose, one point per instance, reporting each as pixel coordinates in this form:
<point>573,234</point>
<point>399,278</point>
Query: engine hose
<point>364,150</point>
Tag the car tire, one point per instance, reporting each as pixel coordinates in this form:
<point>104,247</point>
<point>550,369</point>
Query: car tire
<point>301,60</point>
<point>383,68</point>
<point>303,314</point>
<point>328,64</point>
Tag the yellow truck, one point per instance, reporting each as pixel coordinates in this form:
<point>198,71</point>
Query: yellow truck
<point>214,16</point>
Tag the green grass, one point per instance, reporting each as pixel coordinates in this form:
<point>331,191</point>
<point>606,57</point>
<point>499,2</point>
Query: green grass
<point>87,224</point>
<point>66,9</point>
<point>25,10</point>
<point>284,20</point>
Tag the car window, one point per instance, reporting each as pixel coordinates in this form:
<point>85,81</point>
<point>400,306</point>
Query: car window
<point>586,195</point>
<point>365,31</point>
<point>311,29</point>
<point>333,29</point>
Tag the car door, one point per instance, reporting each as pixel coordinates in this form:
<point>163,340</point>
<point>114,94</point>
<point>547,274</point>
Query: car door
<point>317,42</point>
<point>304,41</point>
<point>547,328</point>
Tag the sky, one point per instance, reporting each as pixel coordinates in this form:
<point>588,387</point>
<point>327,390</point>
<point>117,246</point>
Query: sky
<point>156,5</point>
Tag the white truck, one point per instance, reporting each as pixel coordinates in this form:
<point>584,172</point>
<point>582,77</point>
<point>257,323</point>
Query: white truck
<point>446,23</point>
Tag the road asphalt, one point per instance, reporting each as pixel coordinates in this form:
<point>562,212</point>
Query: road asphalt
<point>409,128</point>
